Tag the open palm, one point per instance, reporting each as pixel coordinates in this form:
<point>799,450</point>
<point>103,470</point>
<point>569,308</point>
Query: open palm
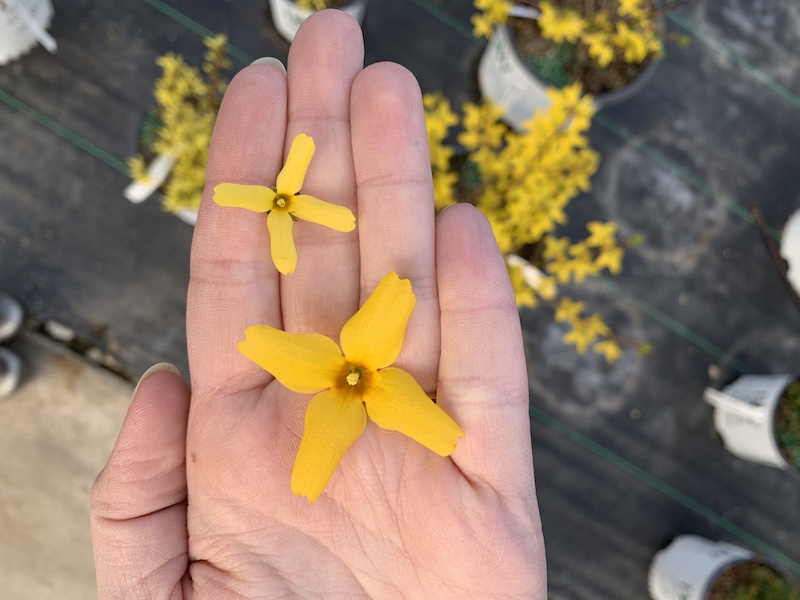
<point>195,501</point>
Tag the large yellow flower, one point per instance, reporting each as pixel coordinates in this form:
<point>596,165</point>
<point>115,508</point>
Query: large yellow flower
<point>351,383</point>
<point>284,204</point>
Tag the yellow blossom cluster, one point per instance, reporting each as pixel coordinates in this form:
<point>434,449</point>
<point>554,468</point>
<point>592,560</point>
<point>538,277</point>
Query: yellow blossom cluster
<point>187,101</point>
<point>568,261</point>
<point>586,332</point>
<point>312,4</point>
<point>493,13</point>
<point>629,30</point>
<point>523,182</point>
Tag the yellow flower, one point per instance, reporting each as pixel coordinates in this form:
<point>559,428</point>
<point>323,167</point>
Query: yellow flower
<point>284,204</point>
<point>602,234</point>
<point>312,4</point>
<point>599,48</point>
<point>580,336</point>
<point>608,348</point>
<point>569,310</point>
<point>348,380</point>
<point>631,8</point>
<point>631,42</point>
<point>611,259</point>
<point>560,25</point>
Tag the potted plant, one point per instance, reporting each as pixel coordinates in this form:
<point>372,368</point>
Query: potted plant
<point>23,25</point>
<point>523,181</point>
<point>694,568</point>
<point>287,15</point>
<point>610,47</point>
<point>758,417</point>
<point>175,134</point>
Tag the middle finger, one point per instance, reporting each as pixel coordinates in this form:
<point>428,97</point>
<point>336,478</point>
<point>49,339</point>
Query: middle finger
<point>324,59</point>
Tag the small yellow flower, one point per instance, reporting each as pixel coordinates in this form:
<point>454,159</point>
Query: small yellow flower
<point>581,337</point>
<point>611,259</point>
<point>602,234</point>
<point>284,204</point>
<point>560,25</point>
<point>569,310</point>
<point>351,383</point>
<point>608,348</point>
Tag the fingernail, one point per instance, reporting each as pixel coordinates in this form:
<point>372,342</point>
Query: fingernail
<point>157,368</point>
<point>269,60</point>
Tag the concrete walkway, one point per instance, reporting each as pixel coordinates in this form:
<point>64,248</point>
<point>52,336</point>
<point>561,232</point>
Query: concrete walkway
<point>56,432</point>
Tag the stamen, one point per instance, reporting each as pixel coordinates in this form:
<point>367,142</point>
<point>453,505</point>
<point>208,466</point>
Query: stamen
<point>281,202</point>
<point>353,377</point>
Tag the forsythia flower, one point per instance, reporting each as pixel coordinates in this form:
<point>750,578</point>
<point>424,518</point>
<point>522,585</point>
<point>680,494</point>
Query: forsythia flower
<point>560,25</point>
<point>493,13</point>
<point>569,310</point>
<point>609,349</point>
<point>351,383</point>
<point>601,234</point>
<point>600,48</point>
<point>632,43</point>
<point>284,204</point>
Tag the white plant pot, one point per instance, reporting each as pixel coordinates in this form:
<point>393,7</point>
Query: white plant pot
<point>505,79</point>
<point>744,415</point>
<point>532,275</point>
<point>23,25</point>
<point>187,215</point>
<point>158,171</point>
<point>790,249</point>
<point>688,567</point>
<point>288,17</point>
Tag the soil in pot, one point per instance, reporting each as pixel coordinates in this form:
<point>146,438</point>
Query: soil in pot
<point>560,64</point>
<point>787,424</point>
<point>751,580</point>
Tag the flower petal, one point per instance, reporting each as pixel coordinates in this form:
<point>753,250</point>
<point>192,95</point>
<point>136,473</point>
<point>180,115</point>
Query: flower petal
<point>257,198</point>
<point>305,363</point>
<point>374,335</point>
<point>324,213</point>
<point>396,401</point>
<point>334,420</point>
<point>291,177</point>
<point>281,243</point>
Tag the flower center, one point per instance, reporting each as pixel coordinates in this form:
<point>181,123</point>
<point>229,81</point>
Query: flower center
<point>354,376</point>
<point>280,201</point>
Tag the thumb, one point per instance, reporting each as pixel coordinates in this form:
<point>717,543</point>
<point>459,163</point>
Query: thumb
<point>138,502</point>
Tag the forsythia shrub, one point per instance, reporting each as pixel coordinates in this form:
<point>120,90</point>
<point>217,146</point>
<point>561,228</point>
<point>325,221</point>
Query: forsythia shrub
<point>523,183</point>
<point>187,101</point>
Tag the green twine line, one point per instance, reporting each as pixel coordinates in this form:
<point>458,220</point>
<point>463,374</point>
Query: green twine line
<point>445,18</point>
<point>677,327</point>
<point>65,133</point>
<point>663,487</point>
<point>193,25</point>
<point>737,60</point>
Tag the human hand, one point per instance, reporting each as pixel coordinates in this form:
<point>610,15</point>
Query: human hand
<point>195,501</point>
